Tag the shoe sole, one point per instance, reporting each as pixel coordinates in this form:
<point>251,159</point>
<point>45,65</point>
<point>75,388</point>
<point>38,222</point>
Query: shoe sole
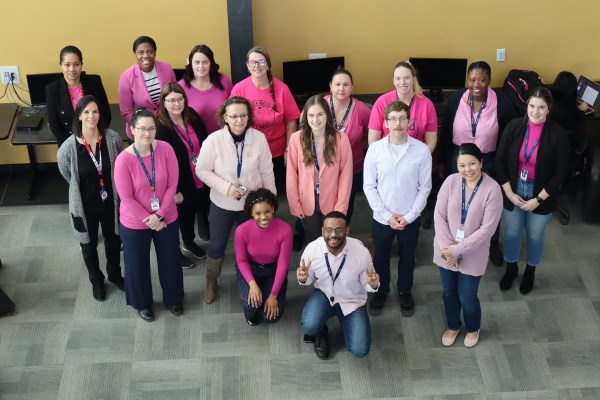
<point>191,253</point>
<point>188,266</point>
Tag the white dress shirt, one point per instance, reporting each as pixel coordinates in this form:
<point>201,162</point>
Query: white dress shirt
<point>397,184</point>
<point>351,287</point>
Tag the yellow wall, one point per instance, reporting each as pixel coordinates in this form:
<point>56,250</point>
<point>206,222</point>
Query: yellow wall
<point>373,35</point>
<point>105,31</point>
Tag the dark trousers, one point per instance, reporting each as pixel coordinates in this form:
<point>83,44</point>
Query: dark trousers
<point>357,183</point>
<point>136,251</point>
<point>198,205</point>
<point>221,222</point>
<point>264,276</point>
<point>279,171</point>
<point>104,219</point>
<point>407,244</point>
<point>460,292</point>
<point>312,224</point>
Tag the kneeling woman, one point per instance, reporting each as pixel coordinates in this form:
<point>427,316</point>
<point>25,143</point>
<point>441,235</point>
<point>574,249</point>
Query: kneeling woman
<point>262,270</point>
<point>467,211</point>
<point>146,176</point>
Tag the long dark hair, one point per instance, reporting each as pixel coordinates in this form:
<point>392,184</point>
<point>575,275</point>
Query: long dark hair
<point>81,105</point>
<point>306,136</point>
<point>213,72</point>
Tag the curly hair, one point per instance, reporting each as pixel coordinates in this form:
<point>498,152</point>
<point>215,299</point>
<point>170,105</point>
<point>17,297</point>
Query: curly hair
<point>234,100</point>
<point>261,195</point>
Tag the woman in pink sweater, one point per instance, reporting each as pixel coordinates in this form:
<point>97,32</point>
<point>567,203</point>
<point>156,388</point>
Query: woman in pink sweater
<point>262,270</point>
<point>468,209</point>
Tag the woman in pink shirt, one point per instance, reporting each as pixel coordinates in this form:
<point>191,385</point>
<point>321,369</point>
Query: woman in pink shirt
<point>350,116</point>
<point>262,270</point>
<point>467,211</point>
<point>146,176</point>
<point>319,168</point>
<point>275,109</point>
<point>206,88</point>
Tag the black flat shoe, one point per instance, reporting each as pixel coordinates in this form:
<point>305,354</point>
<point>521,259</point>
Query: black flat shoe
<point>322,346</point>
<point>99,291</point>
<point>376,305</point>
<point>177,309</point>
<point>407,305</point>
<point>146,314</point>
<point>118,282</point>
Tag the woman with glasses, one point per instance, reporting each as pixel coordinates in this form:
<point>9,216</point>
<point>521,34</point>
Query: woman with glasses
<point>274,107</point>
<point>181,127</point>
<point>140,84</point>
<point>206,88</point>
<point>86,161</point>
<point>146,177</point>
<point>233,160</point>
<point>423,124</point>
<point>319,168</point>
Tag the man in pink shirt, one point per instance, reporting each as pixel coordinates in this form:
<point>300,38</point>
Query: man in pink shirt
<point>342,272</point>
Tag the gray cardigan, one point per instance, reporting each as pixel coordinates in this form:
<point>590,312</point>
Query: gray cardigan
<point>69,169</point>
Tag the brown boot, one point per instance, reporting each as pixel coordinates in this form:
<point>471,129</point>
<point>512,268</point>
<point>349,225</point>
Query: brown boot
<point>213,271</point>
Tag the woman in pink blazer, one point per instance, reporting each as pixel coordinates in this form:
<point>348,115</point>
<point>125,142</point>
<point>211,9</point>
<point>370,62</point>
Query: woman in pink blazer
<point>319,168</point>
<point>140,84</point>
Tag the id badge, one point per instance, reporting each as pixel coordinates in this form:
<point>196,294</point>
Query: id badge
<point>194,159</point>
<point>460,235</point>
<point>103,194</point>
<point>524,173</point>
<point>154,205</point>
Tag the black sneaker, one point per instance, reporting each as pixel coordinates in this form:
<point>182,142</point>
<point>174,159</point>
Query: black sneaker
<point>322,346</point>
<point>407,305</point>
<point>99,291</point>
<point>119,282</point>
<point>185,263</point>
<point>197,252</point>
<point>376,305</point>
<point>496,254</point>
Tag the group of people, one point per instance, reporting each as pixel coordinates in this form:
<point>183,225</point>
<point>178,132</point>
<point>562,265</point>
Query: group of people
<point>205,155</point>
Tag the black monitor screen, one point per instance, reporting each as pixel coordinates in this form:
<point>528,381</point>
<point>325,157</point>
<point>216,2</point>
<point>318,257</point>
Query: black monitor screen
<point>37,86</point>
<point>441,73</point>
<point>310,76</point>
<point>179,73</point>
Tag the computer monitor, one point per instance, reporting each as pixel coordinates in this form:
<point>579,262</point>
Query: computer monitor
<point>37,86</point>
<point>179,73</point>
<point>309,77</point>
<point>440,73</point>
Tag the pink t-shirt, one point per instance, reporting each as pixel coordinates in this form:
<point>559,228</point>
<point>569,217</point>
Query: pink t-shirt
<point>422,116</point>
<point>486,135</point>
<point>535,134</point>
<point>191,134</point>
<point>207,102</point>
<point>355,127</point>
<point>249,243</point>
<point>266,120</point>
<point>76,93</point>
<point>134,189</point>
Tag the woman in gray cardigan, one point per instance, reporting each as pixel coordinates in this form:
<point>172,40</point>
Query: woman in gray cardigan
<point>86,161</point>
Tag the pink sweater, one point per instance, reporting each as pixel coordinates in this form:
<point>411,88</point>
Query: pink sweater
<point>250,242</point>
<point>535,133</point>
<point>207,102</point>
<point>482,219</point>
<point>134,190</point>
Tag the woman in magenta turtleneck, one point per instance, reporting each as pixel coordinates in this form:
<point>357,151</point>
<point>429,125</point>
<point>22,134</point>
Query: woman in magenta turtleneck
<point>531,164</point>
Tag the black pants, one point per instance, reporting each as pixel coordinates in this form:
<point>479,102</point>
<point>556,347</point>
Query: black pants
<point>265,278</point>
<point>279,171</point>
<point>105,219</point>
<point>198,205</point>
<point>221,223</point>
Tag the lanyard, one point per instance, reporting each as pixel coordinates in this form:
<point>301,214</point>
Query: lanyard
<point>97,163</point>
<point>475,122</point>
<point>316,157</point>
<point>341,125</point>
<point>186,138</point>
<point>526,156</point>
<point>240,158</point>
<point>333,279</point>
<point>465,207</point>
<point>151,180</point>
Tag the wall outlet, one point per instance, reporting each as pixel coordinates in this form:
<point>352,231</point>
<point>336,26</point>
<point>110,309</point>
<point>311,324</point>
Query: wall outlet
<point>312,56</point>
<point>5,73</point>
<point>500,55</point>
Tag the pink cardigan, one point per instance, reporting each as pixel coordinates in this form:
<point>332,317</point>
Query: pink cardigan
<point>133,92</point>
<point>335,180</point>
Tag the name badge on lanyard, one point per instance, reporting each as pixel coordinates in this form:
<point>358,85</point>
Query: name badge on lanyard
<point>460,233</point>
<point>527,156</point>
<point>154,203</point>
<point>98,164</point>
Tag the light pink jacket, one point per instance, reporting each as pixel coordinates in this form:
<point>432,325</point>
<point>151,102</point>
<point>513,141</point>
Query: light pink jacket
<point>133,92</point>
<point>335,180</point>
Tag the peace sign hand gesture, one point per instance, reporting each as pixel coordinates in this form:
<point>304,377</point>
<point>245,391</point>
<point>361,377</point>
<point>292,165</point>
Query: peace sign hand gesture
<point>302,271</point>
<point>372,276</point>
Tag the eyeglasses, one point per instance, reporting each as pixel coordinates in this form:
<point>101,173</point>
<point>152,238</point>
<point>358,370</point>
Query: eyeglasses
<point>259,63</point>
<point>144,129</point>
<point>175,101</point>
<point>338,231</point>
<point>235,117</point>
<point>394,120</point>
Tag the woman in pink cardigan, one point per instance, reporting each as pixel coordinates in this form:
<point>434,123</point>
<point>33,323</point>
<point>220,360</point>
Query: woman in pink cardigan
<point>140,84</point>
<point>467,211</point>
<point>319,168</point>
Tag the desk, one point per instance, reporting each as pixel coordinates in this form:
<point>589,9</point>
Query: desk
<point>44,136</point>
<point>7,119</point>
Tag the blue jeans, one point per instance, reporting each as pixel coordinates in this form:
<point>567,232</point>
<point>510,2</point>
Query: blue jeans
<point>460,291</point>
<point>534,224</point>
<point>357,331</point>
<point>407,244</point>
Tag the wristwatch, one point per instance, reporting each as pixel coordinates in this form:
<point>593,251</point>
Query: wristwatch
<point>160,218</point>
<point>539,199</point>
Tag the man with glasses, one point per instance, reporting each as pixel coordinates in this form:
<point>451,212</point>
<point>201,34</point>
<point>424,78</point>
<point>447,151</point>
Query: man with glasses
<point>397,181</point>
<point>342,272</point>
